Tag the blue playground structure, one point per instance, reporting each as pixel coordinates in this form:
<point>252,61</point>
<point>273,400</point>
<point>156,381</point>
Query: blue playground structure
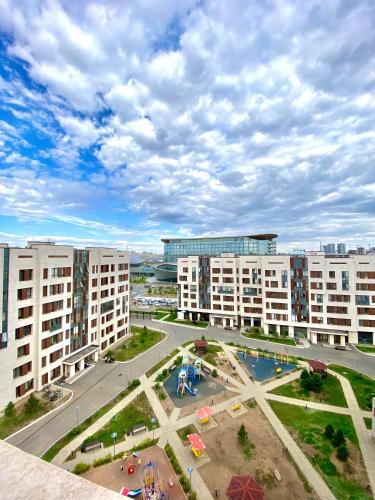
<point>188,376</point>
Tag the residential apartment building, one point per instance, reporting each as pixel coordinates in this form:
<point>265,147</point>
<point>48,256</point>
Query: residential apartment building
<point>325,298</point>
<point>60,308</point>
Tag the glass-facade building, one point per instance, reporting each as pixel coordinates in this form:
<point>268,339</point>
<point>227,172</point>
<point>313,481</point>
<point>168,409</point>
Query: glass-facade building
<point>261,244</point>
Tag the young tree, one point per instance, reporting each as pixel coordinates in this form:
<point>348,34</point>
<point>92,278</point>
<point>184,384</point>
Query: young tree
<point>329,431</point>
<point>214,373</point>
<point>338,439</point>
<point>304,374</point>
<point>342,453</point>
<point>242,435</point>
<point>316,383</point>
<point>32,405</point>
<point>10,410</point>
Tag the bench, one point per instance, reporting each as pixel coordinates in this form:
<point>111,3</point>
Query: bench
<point>206,369</point>
<point>91,446</point>
<point>139,428</point>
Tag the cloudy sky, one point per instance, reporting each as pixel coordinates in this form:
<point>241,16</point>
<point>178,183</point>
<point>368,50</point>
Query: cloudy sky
<point>127,121</point>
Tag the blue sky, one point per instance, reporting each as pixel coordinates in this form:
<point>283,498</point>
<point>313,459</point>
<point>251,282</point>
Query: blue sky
<point>125,122</point>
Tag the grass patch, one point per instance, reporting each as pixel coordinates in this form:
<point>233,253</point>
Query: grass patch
<point>23,415</point>
<point>172,318</point>
<point>331,393</point>
<point>102,460</point>
<point>185,431</point>
<point>137,412</point>
<point>161,314</point>
<point>141,340</point>
<point>308,427</point>
<point>366,348</point>
<point>368,422</point>
<point>161,363</point>
<point>363,386</point>
<point>50,454</point>
<point>270,338</point>
<point>210,354</point>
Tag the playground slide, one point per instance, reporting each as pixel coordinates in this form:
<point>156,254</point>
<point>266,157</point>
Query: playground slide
<point>130,493</point>
<point>189,390</point>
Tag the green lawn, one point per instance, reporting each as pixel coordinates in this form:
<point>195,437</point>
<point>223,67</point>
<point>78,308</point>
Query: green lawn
<point>210,355</point>
<point>183,433</point>
<point>363,386</point>
<point>307,426</point>
<point>332,393</point>
<point>270,338</point>
<point>137,412</point>
<point>366,348</point>
<point>65,440</point>
<point>9,425</point>
<point>172,318</point>
<point>368,422</point>
<point>161,314</point>
<point>141,340</point>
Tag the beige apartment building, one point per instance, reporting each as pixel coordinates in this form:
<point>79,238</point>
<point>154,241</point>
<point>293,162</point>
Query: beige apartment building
<point>324,298</point>
<point>61,307</point>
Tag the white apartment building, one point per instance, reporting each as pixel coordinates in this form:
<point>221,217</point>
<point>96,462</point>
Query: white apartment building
<point>60,308</point>
<point>325,298</point>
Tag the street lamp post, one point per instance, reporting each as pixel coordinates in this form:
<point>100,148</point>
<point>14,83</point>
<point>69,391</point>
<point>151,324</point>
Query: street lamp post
<point>190,470</point>
<point>114,436</point>
<point>77,413</point>
<point>153,420</point>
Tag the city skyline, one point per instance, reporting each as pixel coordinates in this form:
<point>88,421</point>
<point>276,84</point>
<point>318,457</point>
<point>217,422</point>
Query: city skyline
<point>120,124</point>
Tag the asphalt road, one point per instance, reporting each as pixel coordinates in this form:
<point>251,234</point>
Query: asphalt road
<point>104,381</point>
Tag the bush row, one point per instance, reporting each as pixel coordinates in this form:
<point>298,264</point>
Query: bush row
<point>184,481</point>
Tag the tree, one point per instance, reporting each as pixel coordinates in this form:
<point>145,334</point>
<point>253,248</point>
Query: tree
<point>316,383</point>
<point>32,405</point>
<point>242,435</point>
<point>304,374</point>
<point>329,431</point>
<point>338,439</point>
<point>214,373</point>
<point>203,337</point>
<point>342,453</point>
<point>10,410</point>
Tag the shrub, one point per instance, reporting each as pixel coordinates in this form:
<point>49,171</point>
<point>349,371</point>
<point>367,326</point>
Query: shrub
<point>185,483</point>
<point>342,453</point>
<point>81,468</point>
<point>10,410</point>
<point>157,386</point>
<point>338,438</point>
<point>304,374</point>
<point>32,405</point>
<point>109,353</point>
<point>327,466</point>
<point>162,395</point>
<point>242,435</point>
<point>102,460</point>
<point>329,431</point>
<point>192,496</point>
<point>214,373</point>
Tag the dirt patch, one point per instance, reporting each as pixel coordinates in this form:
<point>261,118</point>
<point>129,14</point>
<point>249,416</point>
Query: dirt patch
<point>228,459</point>
<point>112,477</point>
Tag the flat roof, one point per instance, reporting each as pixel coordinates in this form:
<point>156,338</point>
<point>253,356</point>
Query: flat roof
<point>265,236</point>
<point>80,355</point>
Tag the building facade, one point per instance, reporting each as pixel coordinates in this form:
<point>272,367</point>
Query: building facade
<point>321,297</point>
<point>175,248</point>
<point>60,308</point>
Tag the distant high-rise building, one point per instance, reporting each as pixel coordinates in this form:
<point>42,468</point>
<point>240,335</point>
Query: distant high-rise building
<point>341,248</point>
<point>330,248</point>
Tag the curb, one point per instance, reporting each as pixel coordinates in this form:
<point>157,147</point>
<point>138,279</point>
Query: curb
<point>270,342</point>
<point>43,416</point>
<point>179,324</point>
<point>366,353</point>
<point>142,353</point>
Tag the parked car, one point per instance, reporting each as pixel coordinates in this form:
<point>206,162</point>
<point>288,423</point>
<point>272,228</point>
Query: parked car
<point>340,348</point>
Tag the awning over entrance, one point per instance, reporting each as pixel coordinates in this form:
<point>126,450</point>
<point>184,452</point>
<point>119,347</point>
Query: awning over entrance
<point>327,332</point>
<point>74,358</point>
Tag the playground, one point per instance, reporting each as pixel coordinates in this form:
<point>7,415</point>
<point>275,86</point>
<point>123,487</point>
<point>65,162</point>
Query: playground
<point>112,477</point>
<point>228,459</point>
<point>189,384</point>
<point>264,368</point>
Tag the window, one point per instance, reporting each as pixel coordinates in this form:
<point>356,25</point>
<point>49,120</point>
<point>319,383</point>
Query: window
<point>25,275</point>
<point>23,350</point>
<point>250,291</point>
<point>22,370</point>
<point>24,388</point>
<point>319,298</point>
<point>362,300</point>
<point>24,293</point>
<point>25,312</point>
<point>23,331</point>
<point>331,274</point>
<point>331,286</point>
<point>45,273</point>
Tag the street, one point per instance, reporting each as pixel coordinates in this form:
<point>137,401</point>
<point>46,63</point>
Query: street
<point>104,381</point>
